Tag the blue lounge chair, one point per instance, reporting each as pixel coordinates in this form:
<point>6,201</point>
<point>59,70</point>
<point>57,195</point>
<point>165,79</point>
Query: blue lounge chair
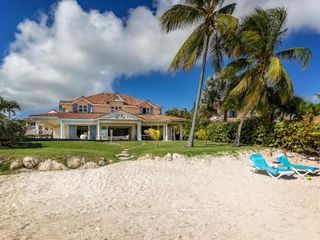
<point>260,164</point>
<point>297,168</point>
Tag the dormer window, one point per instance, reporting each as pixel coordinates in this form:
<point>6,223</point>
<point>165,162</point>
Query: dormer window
<point>82,108</point>
<point>146,111</point>
<point>115,108</point>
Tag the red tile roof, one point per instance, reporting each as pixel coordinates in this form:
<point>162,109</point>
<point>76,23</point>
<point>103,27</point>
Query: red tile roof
<point>69,115</point>
<point>74,115</point>
<point>102,98</point>
<point>160,118</point>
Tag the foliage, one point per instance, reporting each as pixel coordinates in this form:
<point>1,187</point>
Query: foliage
<point>257,65</point>
<point>255,131</point>
<point>299,136</point>
<point>154,134</point>
<point>183,113</point>
<point>11,132</point>
<point>214,25</point>
<point>8,106</point>
<point>203,134</point>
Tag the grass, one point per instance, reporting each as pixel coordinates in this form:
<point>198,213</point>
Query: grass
<point>93,151</point>
<point>179,147</point>
<point>62,150</point>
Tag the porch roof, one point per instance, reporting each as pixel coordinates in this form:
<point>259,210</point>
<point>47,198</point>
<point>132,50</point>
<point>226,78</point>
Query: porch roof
<point>77,115</point>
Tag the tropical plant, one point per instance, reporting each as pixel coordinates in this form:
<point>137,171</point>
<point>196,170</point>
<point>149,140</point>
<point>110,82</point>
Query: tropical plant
<point>214,25</point>
<point>11,132</point>
<point>203,134</point>
<point>154,134</point>
<point>256,64</point>
<point>11,107</point>
<point>176,112</point>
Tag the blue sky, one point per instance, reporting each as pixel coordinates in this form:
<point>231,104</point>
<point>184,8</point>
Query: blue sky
<point>30,79</point>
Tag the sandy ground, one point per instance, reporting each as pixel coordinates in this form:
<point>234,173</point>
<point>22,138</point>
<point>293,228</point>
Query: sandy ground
<point>211,198</point>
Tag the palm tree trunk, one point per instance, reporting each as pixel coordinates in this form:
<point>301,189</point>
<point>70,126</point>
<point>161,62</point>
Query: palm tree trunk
<point>9,114</point>
<point>225,116</point>
<point>200,84</point>
<point>238,137</point>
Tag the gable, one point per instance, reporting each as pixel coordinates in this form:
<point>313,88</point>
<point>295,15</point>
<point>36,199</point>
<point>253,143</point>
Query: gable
<point>81,100</point>
<point>115,98</point>
<point>147,103</point>
<point>119,115</point>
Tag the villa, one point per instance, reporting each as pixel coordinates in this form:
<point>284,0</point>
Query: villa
<point>107,116</point>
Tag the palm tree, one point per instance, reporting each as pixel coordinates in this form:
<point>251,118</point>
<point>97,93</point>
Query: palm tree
<point>257,64</point>
<point>214,23</point>
<point>11,107</point>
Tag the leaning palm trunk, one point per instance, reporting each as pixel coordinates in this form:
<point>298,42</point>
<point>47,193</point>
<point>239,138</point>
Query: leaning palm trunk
<point>238,137</point>
<point>195,111</point>
<point>237,141</point>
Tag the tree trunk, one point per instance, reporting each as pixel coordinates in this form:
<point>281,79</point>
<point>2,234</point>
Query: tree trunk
<point>225,116</point>
<point>200,84</point>
<point>238,137</point>
<point>9,115</point>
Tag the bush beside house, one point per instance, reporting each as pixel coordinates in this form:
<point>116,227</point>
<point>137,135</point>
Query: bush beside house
<point>11,132</point>
<point>297,136</point>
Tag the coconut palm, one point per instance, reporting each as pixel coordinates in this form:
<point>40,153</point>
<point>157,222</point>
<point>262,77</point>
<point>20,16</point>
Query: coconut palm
<point>257,63</point>
<point>213,24</point>
<point>11,107</point>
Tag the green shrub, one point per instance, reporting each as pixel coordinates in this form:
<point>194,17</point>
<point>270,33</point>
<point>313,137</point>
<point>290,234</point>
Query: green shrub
<point>222,131</point>
<point>11,132</point>
<point>298,136</point>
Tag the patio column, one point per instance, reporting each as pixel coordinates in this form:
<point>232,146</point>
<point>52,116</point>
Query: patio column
<point>37,128</point>
<point>139,131</point>
<point>181,131</point>
<point>98,130</point>
<point>61,129</point>
<point>166,131</point>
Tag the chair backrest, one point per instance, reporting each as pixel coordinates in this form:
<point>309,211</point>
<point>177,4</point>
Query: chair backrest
<point>258,160</point>
<point>283,160</point>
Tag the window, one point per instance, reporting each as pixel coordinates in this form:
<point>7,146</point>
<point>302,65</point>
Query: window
<point>115,108</point>
<point>82,108</point>
<point>146,111</point>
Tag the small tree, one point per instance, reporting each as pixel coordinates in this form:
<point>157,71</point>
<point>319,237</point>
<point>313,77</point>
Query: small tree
<point>203,134</point>
<point>154,134</point>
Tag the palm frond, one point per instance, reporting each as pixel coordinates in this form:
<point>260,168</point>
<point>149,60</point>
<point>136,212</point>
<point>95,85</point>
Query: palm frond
<point>301,55</point>
<point>274,70</point>
<point>254,94</point>
<point>190,50</point>
<point>285,87</point>
<point>180,16</point>
<point>234,68</point>
<point>228,9</point>
<point>216,53</point>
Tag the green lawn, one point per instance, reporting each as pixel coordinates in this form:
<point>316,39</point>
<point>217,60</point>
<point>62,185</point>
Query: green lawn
<point>179,147</point>
<point>93,151</point>
<point>62,150</point>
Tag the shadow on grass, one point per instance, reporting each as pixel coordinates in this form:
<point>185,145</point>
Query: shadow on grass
<point>25,145</point>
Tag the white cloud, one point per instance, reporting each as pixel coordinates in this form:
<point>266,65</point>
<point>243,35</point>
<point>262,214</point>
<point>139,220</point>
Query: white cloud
<point>301,14</point>
<point>81,53</point>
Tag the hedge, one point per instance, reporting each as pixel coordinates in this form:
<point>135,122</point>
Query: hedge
<point>11,132</point>
<point>298,136</point>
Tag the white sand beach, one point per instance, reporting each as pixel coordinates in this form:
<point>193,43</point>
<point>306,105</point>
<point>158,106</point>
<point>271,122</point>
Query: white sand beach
<point>208,198</point>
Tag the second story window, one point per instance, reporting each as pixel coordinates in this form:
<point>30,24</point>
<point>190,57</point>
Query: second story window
<point>115,108</point>
<point>146,111</point>
<point>82,108</point>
